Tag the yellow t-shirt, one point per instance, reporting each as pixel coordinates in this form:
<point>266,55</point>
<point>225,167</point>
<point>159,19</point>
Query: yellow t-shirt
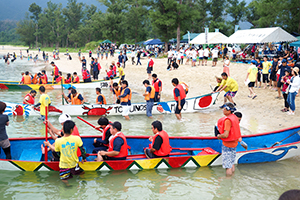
<point>224,83</point>
<point>252,70</point>
<point>121,71</point>
<point>44,101</point>
<point>266,67</point>
<point>232,85</point>
<point>67,146</point>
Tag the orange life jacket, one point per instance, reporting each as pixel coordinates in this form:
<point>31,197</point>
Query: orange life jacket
<point>150,95</point>
<point>31,99</point>
<point>181,92</point>
<point>117,92</point>
<point>76,80</point>
<point>27,79</point>
<point>124,149</point>
<point>104,100</point>
<point>155,85</point>
<point>127,97</point>
<point>34,80</point>
<point>58,80</point>
<point>104,133</point>
<point>75,100</point>
<point>165,147</point>
<point>235,132</point>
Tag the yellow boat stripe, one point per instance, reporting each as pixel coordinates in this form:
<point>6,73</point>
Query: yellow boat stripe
<point>27,166</point>
<point>148,163</point>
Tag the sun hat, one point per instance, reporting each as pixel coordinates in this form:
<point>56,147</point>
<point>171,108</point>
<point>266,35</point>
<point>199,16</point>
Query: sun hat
<point>229,106</point>
<point>296,69</point>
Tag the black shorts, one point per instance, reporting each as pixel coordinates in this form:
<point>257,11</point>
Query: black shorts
<point>258,77</point>
<point>251,84</point>
<point>149,154</point>
<point>215,59</point>
<point>156,98</point>
<point>273,76</point>
<point>177,110</point>
<point>265,78</point>
<point>123,77</point>
<point>205,58</point>
<point>279,84</point>
<point>149,70</point>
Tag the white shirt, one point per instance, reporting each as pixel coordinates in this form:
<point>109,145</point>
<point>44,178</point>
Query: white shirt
<point>295,85</point>
<point>226,63</point>
<point>215,53</point>
<point>170,54</point>
<point>201,52</point>
<point>194,54</point>
<point>206,52</point>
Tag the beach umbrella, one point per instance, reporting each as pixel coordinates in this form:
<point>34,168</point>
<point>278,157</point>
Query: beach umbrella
<point>153,42</point>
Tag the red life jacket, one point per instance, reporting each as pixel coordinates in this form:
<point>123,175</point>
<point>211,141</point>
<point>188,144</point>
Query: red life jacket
<point>155,85</point>
<point>235,132</point>
<point>110,73</point>
<point>86,74</point>
<point>69,80</point>
<point>31,99</point>
<point>124,149</point>
<point>55,71</point>
<point>165,147</point>
<point>181,92</point>
<point>104,133</point>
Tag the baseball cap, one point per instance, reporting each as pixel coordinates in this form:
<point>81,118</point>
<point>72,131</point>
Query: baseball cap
<point>229,106</point>
<point>253,61</point>
<point>117,125</point>
<point>289,59</point>
<point>283,61</point>
<point>63,118</point>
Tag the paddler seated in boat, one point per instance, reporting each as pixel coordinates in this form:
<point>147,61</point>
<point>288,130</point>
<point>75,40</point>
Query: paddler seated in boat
<point>43,102</point>
<point>44,78</point>
<point>74,97</point>
<point>69,78</point>
<point>160,146</point>
<point>116,91</point>
<point>26,78</point>
<point>55,71</point>
<point>35,79</point>
<point>100,97</point>
<point>110,73</point>
<point>86,76</point>
<point>66,147</point>
<point>102,144</point>
<point>230,133</point>
<point>117,149</point>
<point>30,98</point>
<point>59,78</point>
<point>56,133</point>
<point>75,78</point>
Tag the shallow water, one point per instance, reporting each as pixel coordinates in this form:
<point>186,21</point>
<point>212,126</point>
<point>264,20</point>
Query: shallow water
<point>256,181</point>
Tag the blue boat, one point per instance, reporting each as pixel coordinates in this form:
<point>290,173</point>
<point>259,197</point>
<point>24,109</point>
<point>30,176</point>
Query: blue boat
<point>188,152</point>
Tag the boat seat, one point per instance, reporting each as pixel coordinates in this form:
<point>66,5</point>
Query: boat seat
<point>31,155</point>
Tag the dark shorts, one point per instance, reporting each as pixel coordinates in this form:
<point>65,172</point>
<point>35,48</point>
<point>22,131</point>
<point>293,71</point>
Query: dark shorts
<point>200,58</point>
<point>149,70</point>
<point>67,173</point>
<point>156,98</point>
<point>205,58</point>
<point>265,78</point>
<point>215,59</point>
<point>149,154</point>
<point>251,84</point>
<point>177,110</point>
<point>123,77</point>
<point>229,93</point>
<point>258,77</point>
<point>279,84</point>
<point>273,76</point>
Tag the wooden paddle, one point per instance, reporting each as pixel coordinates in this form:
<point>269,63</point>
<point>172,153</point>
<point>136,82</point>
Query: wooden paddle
<point>285,138</point>
<point>98,129</point>
<point>140,155</point>
<point>62,90</point>
<point>46,133</point>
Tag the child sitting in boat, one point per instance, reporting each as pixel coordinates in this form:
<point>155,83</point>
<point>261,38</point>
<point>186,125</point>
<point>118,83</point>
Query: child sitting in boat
<point>102,144</point>
<point>4,141</point>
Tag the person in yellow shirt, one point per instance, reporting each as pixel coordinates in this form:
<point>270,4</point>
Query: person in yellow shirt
<point>66,147</point>
<point>266,66</point>
<point>121,71</point>
<point>252,76</point>
<point>43,102</point>
<point>232,87</point>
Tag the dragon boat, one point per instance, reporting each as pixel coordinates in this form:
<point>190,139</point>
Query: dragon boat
<point>4,85</point>
<point>188,152</point>
<point>192,105</point>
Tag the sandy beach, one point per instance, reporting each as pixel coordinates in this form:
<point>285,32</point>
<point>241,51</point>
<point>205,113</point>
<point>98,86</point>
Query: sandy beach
<point>261,114</point>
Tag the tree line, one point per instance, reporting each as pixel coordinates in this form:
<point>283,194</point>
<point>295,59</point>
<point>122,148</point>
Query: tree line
<point>131,21</point>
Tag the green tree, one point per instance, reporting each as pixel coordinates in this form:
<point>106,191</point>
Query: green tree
<point>236,10</point>
<point>26,28</point>
<point>35,10</point>
<point>199,20</point>
<point>216,19</point>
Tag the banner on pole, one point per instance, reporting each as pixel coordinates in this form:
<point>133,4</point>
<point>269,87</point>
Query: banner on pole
<point>216,30</point>
<point>206,35</point>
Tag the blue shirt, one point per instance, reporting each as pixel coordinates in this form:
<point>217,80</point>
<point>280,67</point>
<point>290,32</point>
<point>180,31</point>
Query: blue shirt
<point>95,67</point>
<point>120,58</point>
<point>118,143</point>
<point>126,92</point>
<point>100,99</point>
<point>177,93</point>
<point>282,70</point>
<point>83,62</point>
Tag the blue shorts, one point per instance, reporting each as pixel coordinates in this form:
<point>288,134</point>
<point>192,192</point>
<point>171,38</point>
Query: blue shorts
<point>200,58</point>
<point>228,156</point>
<point>194,60</point>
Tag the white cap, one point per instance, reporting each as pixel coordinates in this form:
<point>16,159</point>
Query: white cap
<point>63,118</point>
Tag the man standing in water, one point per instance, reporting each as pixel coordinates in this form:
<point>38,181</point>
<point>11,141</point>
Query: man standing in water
<point>149,97</point>
<point>179,96</point>
<point>230,133</point>
<point>43,102</point>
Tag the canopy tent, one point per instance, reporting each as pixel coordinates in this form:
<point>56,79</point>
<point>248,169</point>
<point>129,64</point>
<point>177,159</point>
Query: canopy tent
<point>106,41</point>
<point>212,38</point>
<point>295,44</point>
<point>261,35</point>
<point>192,36</point>
<point>153,42</point>
<point>140,43</point>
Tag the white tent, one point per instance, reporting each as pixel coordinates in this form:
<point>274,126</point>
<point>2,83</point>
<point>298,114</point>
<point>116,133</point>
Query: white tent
<point>260,35</point>
<point>212,38</point>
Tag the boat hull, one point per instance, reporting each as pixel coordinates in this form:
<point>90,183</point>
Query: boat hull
<point>16,86</point>
<point>199,152</point>
<point>192,105</point>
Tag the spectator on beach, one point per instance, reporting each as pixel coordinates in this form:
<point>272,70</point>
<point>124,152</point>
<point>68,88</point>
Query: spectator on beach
<point>265,71</point>
<point>290,62</point>
<point>170,56</point>
<point>226,65</point>
<point>215,54</point>
<point>281,70</point>
<point>149,67</point>
<point>259,68</point>
<point>133,54</point>
<point>206,55</point>
<point>284,80</point>
<point>225,51</point>
<point>90,53</point>
<point>139,58</point>
<point>200,54</point>
<point>252,76</point>
<point>293,90</point>
<point>273,77</point>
